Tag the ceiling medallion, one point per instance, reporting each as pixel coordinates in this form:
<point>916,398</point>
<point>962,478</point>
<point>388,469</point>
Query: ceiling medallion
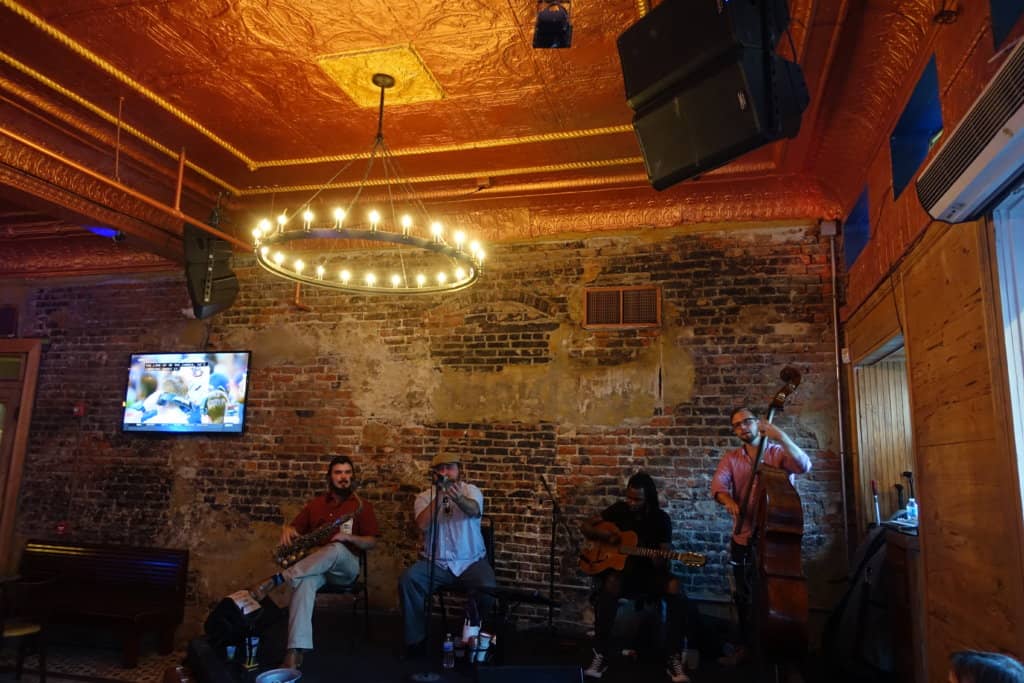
<point>410,255</point>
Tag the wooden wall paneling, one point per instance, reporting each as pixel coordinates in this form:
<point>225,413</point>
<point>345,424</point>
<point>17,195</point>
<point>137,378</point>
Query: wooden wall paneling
<point>859,508</point>
<point>873,326</point>
<point>872,332</point>
<point>972,568</point>
<point>883,423</point>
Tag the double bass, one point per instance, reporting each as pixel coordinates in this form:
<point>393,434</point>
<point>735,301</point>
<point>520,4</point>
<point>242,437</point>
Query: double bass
<point>778,587</point>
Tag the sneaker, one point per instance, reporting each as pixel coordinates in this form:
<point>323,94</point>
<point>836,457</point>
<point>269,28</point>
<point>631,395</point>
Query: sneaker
<point>674,669</point>
<point>598,665</point>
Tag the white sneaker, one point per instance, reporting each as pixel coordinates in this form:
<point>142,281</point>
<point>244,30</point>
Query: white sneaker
<point>597,667</point>
<point>674,669</point>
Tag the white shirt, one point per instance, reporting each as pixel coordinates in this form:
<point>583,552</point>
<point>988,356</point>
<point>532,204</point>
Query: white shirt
<point>459,541</point>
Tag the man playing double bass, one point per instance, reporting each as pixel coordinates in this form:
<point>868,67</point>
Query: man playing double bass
<point>731,483</point>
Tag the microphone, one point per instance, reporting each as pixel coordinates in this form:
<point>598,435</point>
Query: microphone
<point>441,480</point>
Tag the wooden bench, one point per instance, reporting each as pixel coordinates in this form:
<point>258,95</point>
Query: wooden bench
<point>129,589</point>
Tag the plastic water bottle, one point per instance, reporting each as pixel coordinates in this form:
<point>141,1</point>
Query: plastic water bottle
<point>912,511</point>
<point>448,661</point>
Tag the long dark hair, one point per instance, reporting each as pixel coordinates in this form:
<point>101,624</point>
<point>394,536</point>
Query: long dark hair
<point>642,480</point>
<point>971,666</point>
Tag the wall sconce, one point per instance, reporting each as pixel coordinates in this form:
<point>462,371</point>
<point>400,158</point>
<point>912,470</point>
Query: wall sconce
<point>554,27</point>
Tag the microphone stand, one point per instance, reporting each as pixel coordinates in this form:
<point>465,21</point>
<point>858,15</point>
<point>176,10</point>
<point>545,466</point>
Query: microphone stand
<point>556,519</point>
<point>426,676</point>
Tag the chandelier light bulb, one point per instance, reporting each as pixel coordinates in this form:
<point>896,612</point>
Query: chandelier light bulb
<point>445,259</point>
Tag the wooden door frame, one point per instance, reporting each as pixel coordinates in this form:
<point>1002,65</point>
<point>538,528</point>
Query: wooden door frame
<point>32,350</point>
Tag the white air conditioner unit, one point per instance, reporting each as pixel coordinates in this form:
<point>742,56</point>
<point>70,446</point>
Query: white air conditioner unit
<point>985,153</point>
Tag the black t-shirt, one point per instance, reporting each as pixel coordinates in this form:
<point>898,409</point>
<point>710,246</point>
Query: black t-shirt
<point>640,575</point>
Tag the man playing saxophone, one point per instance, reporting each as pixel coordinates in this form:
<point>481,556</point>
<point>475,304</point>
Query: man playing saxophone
<point>336,561</point>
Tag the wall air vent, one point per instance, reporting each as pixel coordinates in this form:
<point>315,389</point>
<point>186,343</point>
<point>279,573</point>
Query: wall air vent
<point>985,153</point>
<point>622,307</point>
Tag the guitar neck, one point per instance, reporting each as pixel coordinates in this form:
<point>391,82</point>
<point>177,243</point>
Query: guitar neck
<point>660,554</point>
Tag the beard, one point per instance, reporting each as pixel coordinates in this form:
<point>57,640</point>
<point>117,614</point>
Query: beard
<point>341,492</point>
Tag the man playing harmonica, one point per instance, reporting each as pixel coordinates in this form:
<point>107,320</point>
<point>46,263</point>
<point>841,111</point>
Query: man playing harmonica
<point>460,557</point>
<point>336,562</point>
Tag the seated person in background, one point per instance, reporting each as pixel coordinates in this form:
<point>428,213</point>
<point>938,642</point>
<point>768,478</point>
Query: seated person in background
<point>641,578</point>
<point>970,666</point>
<point>461,556</point>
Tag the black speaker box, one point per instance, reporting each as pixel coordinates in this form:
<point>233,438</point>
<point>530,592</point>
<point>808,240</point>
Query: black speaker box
<point>683,40</point>
<point>212,285</point>
<point>742,106</point>
<point>532,674</point>
<point>706,85</point>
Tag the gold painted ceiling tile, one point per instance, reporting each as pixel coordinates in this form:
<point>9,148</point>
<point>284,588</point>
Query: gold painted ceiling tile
<point>353,72</point>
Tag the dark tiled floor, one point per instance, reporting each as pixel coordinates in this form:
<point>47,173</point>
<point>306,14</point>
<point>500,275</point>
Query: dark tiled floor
<point>343,654</point>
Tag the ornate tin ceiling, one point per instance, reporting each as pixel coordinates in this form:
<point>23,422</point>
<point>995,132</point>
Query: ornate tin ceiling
<point>270,98</point>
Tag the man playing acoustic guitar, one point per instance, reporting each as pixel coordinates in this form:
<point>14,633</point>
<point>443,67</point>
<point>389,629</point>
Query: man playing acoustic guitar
<point>639,519</point>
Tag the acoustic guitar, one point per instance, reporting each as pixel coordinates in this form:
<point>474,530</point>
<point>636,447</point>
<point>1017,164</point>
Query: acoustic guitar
<point>596,556</point>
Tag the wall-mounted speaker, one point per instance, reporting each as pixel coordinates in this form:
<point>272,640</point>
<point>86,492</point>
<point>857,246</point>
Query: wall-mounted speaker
<point>706,85</point>
<point>212,285</point>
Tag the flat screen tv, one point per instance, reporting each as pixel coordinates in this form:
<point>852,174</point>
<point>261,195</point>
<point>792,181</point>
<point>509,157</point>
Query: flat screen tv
<point>187,392</point>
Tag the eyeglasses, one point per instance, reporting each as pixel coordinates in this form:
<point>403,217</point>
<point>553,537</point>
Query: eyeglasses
<point>744,421</point>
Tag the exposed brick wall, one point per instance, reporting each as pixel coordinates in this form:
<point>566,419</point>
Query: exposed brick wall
<point>502,372</point>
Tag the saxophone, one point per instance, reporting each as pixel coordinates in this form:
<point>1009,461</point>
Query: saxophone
<point>287,555</point>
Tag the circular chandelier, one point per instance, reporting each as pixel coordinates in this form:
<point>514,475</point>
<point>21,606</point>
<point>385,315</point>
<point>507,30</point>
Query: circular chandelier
<point>418,258</point>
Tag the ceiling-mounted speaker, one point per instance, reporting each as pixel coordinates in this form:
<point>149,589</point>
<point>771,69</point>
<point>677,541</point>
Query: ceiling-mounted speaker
<point>212,285</point>
<point>706,85</point>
